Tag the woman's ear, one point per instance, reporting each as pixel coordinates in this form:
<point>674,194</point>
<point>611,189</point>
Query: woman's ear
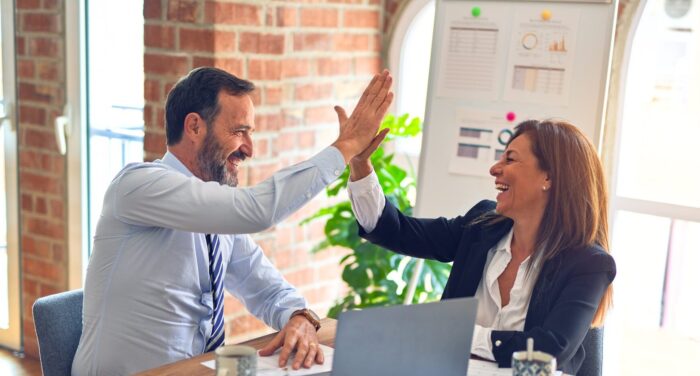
<point>547,183</point>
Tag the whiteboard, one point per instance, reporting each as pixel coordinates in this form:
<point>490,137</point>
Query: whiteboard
<point>495,60</point>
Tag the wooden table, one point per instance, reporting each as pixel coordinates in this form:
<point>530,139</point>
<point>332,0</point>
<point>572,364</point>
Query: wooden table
<point>194,367</point>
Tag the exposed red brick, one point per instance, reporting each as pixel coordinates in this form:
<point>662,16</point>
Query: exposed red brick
<point>273,96</point>
<point>44,139</point>
<point>312,42</point>
<point>159,36</point>
<point>27,202</point>
<point>152,9</point>
<point>333,66</point>
<point>25,68</point>
<point>207,40</point>
<point>267,122</point>
<point>42,269</point>
<point>49,70</point>
<point>264,69</point>
<point>319,17</point>
<point>32,115</point>
<point>351,42</point>
<point>38,183</point>
<point>306,140</point>
<point>309,92</point>
<point>154,142</point>
<point>57,209</point>
<point>262,43</point>
<point>40,205</point>
<point>165,64</point>
<point>40,22</point>
<point>320,115</point>
<point>295,68</point>
<point>361,18</point>
<point>231,13</point>
<point>37,247</point>
<point>44,47</point>
<point>286,17</point>
<point>183,10</point>
<point>367,65</point>
<point>231,65</point>
<point>27,4</point>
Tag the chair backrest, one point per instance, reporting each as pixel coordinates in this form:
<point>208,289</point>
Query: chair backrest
<point>593,345</point>
<point>58,320</point>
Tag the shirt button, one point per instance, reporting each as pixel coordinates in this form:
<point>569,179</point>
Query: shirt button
<point>308,195</point>
<point>336,172</point>
<point>498,342</point>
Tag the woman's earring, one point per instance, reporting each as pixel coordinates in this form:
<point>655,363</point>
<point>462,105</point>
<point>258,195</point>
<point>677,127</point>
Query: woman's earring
<point>544,187</point>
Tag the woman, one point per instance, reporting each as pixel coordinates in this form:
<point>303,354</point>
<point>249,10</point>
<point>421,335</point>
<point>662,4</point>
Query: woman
<point>537,258</point>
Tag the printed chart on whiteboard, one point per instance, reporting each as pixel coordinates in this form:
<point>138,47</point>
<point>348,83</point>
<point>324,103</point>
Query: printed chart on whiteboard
<point>480,140</point>
<point>541,56</point>
<point>470,54</point>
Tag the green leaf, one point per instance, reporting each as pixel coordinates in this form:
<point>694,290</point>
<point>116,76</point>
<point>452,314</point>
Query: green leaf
<point>374,275</point>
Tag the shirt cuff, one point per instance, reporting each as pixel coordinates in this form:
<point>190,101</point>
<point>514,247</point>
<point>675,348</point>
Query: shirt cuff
<point>330,162</point>
<point>286,315</point>
<point>364,185</point>
<point>367,201</point>
<point>481,342</point>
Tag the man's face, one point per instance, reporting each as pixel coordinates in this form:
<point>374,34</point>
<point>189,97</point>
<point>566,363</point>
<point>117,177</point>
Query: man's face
<point>228,140</point>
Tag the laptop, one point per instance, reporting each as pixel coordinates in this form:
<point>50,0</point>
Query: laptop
<point>421,339</point>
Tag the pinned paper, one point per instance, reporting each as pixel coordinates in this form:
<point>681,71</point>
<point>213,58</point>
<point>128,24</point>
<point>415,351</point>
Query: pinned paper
<point>476,11</point>
<point>546,14</point>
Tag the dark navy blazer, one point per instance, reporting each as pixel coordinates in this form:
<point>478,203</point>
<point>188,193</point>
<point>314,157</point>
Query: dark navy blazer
<point>565,296</point>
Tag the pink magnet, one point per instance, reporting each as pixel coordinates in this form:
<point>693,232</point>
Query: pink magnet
<point>510,116</point>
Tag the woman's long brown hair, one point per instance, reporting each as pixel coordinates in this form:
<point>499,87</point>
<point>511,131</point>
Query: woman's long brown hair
<point>576,214</point>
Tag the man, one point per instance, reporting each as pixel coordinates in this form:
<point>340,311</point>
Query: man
<point>172,233</point>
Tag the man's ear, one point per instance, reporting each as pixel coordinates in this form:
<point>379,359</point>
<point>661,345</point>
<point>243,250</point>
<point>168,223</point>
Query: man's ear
<point>194,126</point>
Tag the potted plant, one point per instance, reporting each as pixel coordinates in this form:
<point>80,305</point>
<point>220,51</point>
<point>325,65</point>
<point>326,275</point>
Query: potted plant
<point>374,275</point>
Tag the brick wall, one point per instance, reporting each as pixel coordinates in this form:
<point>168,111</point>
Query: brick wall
<point>304,57</point>
<point>42,183</point>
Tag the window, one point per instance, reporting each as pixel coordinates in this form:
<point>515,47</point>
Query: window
<point>105,80</point>
<point>10,325</point>
<point>409,60</point>
<point>656,208</point>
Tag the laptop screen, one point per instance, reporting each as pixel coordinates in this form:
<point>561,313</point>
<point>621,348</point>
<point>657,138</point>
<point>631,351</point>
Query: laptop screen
<point>421,339</point>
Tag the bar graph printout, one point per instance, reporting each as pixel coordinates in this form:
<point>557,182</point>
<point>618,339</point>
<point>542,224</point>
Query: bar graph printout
<point>480,138</point>
<point>541,56</point>
<point>471,52</point>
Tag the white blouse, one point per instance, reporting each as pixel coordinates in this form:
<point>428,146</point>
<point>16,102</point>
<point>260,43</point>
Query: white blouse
<point>367,199</point>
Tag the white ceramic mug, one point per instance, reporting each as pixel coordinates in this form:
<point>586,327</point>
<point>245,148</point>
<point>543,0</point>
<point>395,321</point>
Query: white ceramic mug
<point>236,361</point>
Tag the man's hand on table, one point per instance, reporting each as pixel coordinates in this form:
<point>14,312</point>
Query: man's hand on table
<point>297,335</point>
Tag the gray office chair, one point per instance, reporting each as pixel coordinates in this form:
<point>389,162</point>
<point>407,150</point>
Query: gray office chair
<point>58,320</point>
<point>593,344</point>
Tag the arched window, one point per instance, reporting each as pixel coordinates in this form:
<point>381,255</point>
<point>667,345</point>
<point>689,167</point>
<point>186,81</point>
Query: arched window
<point>409,60</point>
<point>655,202</point>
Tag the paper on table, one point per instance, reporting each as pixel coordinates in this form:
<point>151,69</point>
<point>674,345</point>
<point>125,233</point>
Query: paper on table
<point>267,365</point>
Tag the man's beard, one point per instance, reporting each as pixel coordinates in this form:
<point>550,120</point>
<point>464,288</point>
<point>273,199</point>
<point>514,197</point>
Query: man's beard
<point>212,163</point>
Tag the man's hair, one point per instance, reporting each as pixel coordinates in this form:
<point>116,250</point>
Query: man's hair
<point>198,92</point>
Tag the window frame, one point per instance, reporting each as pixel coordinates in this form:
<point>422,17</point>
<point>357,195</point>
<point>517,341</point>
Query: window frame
<point>11,337</point>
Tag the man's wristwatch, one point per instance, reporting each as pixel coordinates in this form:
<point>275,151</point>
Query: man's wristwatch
<point>309,315</point>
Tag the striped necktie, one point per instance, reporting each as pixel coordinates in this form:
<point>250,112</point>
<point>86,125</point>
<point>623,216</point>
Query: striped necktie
<point>216,271</point>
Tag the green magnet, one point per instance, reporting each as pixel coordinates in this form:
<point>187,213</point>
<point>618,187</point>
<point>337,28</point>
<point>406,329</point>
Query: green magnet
<point>476,11</point>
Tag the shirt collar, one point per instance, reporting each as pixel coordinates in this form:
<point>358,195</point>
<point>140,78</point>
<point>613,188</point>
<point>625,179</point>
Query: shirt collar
<point>169,159</point>
<point>504,243</point>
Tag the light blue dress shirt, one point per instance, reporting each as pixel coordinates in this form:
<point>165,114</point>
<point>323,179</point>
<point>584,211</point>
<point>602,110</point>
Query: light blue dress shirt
<point>148,298</point>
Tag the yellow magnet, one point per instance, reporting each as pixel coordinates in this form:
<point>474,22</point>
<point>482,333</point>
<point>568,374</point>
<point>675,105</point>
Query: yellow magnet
<point>546,14</point>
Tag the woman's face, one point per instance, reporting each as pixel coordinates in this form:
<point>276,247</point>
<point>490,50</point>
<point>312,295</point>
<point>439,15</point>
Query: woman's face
<point>522,185</point>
